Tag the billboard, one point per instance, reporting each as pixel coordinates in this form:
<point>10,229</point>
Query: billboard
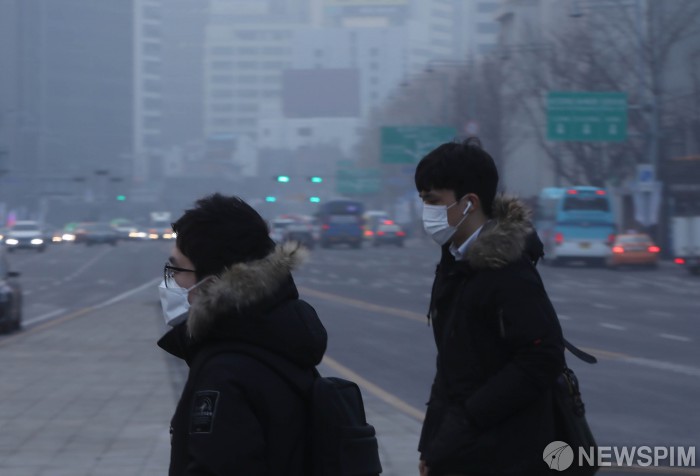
<point>308,93</point>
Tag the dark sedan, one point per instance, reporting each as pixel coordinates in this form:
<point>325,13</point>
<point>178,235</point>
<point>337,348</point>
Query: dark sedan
<point>96,233</point>
<point>10,297</point>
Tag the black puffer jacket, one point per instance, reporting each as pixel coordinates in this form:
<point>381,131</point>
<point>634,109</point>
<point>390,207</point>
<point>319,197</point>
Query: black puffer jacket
<point>238,416</point>
<point>500,350</point>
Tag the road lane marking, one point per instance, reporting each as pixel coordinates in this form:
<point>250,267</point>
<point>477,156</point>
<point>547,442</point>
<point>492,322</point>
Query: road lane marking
<point>88,264</point>
<point>130,293</point>
<point>612,326</point>
<point>414,316</point>
<point>660,313</point>
<point>675,337</point>
<point>374,389</point>
<point>43,317</point>
<point>660,365</point>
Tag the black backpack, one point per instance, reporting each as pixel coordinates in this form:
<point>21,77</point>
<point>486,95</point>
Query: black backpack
<point>342,443</point>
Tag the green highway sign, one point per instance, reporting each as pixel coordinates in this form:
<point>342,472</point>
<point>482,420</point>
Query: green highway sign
<point>358,181</point>
<point>584,116</point>
<point>408,144</point>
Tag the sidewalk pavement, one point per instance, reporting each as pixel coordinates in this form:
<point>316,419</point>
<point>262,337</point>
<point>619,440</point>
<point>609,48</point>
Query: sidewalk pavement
<point>91,394</point>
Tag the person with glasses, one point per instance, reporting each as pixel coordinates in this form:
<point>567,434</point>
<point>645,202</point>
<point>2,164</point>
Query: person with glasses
<point>250,343</point>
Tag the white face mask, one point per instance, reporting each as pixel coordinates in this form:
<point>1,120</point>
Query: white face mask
<point>174,302</point>
<point>435,221</point>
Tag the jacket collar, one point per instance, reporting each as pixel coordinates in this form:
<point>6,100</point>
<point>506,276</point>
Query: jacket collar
<point>504,238</point>
<point>254,284</point>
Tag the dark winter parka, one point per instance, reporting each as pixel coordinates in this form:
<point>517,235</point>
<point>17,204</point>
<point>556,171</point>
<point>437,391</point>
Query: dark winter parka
<point>500,350</point>
<point>237,415</point>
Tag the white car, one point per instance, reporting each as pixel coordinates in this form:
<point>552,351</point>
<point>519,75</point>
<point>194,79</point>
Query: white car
<point>25,234</point>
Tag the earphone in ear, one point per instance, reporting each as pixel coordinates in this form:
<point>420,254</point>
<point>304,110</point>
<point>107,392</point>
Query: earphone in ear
<point>469,207</point>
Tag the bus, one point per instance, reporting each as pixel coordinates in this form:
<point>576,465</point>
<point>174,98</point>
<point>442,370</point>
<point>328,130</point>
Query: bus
<point>341,223</point>
<point>575,224</point>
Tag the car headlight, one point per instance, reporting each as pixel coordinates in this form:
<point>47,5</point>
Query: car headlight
<point>56,239</point>
<point>68,237</point>
<point>37,241</point>
<point>11,241</point>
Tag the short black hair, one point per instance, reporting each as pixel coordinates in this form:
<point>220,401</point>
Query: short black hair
<point>463,167</point>
<point>221,231</point>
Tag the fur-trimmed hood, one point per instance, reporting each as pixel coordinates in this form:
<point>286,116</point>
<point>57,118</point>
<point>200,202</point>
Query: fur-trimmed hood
<point>254,303</point>
<point>242,286</point>
<point>506,237</point>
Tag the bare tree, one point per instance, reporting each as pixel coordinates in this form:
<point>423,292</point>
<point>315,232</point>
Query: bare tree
<point>615,47</point>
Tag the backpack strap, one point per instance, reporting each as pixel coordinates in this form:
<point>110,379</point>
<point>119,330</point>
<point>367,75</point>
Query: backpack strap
<point>578,353</point>
<point>585,356</point>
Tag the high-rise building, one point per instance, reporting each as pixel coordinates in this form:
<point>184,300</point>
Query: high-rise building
<point>67,87</point>
<point>477,33</point>
<point>250,43</point>
<point>378,54</point>
<point>148,89</point>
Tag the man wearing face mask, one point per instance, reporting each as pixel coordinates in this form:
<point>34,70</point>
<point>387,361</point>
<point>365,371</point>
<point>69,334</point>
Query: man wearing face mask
<point>250,343</point>
<point>500,346</point>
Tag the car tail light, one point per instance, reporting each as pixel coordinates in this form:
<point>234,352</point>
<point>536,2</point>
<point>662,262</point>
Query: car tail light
<point>369,233</point>
<point>600,192</point>
<point>679,261</point>
<point>380,233</point>
<point>326,227</point>
<point>654,249</point>
<point>618,249</point>
<point>388,222</point>
<point>559,238</point>
<point>611,239</point>
<point>400,233</point>
<point>572,192</point>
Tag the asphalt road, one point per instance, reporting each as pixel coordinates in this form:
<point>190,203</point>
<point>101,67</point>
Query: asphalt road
<point>643,325</point>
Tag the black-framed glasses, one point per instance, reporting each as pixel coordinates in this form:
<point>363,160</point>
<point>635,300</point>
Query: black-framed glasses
<point>169,272</point>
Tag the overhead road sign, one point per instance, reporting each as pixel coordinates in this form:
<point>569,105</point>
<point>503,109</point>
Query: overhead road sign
<point>408,144</point>
<point>586,116</point>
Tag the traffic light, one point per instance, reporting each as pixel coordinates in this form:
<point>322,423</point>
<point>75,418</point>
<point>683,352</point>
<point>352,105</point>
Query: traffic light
<point>315,199</point>
<point>315,179</point>
<point>283,178</point>
<point>121,198</point>
<point>270,199</point>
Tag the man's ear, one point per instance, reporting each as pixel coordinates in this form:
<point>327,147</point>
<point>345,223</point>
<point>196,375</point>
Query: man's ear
<point>474,200</point>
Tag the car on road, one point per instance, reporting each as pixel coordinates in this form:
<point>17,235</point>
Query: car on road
<point>297,228</point>
<point>124,228</point>
<point>634,249</point>
<point>10,296</point>
<point>388,233</point>
<point>26,234</point>
<point>96,233</point>
<point>371,220</point>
